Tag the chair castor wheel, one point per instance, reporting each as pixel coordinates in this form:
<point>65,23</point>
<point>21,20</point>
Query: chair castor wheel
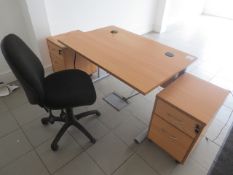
<point>98,113</point>
<point>93,141</point>
<point>54,147</point>
<point>150,140</point>
<point>45,121</point>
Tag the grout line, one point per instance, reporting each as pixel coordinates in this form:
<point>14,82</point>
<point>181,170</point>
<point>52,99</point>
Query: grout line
<point>133,150</point>
<point>123,163</point>
<point>17,158</point>
<point>15,107</point>
<point>96,163</point>
<point>85,151</point>
<point>83,147</point>
<point>33,148</point>
<point>68,162</point>
<point>51,150</point>
<point>23,124</point>
<point>10,132</point>
<point>82,151</point>
<point>156,171</point>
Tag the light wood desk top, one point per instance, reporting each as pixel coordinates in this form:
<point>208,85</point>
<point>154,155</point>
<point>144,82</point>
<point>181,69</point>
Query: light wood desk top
<point>55,39</point>
<point>203,101</point>
<point>139,62</point>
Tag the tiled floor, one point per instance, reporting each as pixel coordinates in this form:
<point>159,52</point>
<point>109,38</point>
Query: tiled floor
<point>25,142</point>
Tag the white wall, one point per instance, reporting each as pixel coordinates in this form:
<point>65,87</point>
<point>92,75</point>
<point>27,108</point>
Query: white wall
<point>12,21</point>
<point>160,16</point>
<point>181,10</point>
<point>221,8</point>
<point>35,14</point>
<point>27,19</point>
<point>134,15</point>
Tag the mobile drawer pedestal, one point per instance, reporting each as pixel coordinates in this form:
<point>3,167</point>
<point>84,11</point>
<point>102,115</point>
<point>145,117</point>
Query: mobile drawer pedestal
<point>181,112</point>
<point>63,57</point>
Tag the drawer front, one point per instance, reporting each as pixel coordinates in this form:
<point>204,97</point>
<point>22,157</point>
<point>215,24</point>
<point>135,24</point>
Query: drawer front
<point>85,65</point>
<point>54,49</point>
<point>178,118</point>
<point>80,63</point>
<point>173,141</point>
<point>57,62</point>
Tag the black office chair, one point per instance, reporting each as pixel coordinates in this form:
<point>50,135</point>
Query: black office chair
<point>61,90</point>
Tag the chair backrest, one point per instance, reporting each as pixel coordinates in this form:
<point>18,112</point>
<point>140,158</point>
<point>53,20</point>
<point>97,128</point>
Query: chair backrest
<point>26,67</point>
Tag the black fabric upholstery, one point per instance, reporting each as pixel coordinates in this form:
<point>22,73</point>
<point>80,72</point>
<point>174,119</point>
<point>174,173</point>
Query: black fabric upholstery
<point>25,66</point>
<point>69,88</point>
<point>65,89</point>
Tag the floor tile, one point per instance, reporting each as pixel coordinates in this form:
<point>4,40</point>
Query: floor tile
<point>141,108</point>
<point>201,74</point>
<point>120,87</point>
<point>226,72</point>
<point>103,87</point>
<point>109,153</point>
<point>229,101</point>
<point>15,99</point>
<point>94,126</point>
<point>217,131</point>
<point>193,66</point>
<point>112,118</point>
<point>223,82</point>
<point>205,153</point>
<point>98,103</point>
<point>151,96</point>
<point>80,109</point>
<point>26,165</point>
<point>209,68</point>
<point>156,158</point>
<point>135,166</point>
<point>112,84</point>
<point>27,113</point>
<point>82,165</point>
<point>7,123</point>
<point>13,146</point>
<point>68,149</point>
<point>223,114</point>
<point>3,107</point>
<point>129,129</point>
<point>219,127</point>
<point>190,167</point>
<point>37,133</point>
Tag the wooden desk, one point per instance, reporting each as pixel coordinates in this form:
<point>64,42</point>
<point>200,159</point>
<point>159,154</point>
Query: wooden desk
<point>139,62</point>
<point>142,64</point>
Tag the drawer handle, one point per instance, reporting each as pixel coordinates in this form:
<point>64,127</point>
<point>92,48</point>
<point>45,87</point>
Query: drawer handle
<point>197,129</point>
<point>59,51</point>
<point>171,137</point>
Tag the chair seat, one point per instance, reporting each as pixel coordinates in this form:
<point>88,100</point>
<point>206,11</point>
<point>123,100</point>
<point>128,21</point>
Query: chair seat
<point>68,88</point>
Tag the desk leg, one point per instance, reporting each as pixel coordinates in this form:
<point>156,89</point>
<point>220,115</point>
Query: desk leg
<point>141,136</point>
<point>99,77</point>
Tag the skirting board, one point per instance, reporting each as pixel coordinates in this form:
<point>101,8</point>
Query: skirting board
<point>8,77</point>
<point>159,29</point>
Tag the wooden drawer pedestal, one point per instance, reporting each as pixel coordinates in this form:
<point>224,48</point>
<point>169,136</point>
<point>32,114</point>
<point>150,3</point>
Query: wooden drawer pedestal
<point>181,112</point>
<point>65,58</point>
